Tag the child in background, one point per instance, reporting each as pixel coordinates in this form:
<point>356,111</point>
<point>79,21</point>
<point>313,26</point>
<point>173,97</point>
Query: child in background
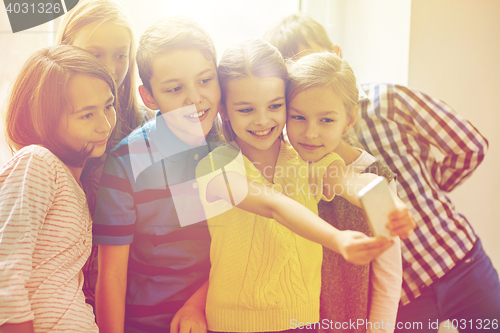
<point>102,27</point>
<point>322,100</point>
<point>60,114</point>
<point>264,276</point>
<point>149,265</point>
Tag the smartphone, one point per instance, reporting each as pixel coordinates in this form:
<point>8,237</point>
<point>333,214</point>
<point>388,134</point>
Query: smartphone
<point>377,201</point>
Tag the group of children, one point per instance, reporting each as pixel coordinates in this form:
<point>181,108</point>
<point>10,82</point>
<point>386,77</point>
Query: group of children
<point>199,225</point>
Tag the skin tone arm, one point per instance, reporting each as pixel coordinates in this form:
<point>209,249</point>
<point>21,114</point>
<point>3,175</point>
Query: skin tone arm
<point>111,287</point>
<point>341,180</point>
<point>26,327</point>
<point>259,199</point>
<point>356,247</point>
<point>191,317</point>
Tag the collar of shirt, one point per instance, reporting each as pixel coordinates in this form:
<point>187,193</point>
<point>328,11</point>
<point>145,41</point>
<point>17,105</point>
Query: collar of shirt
<point>169,145</point>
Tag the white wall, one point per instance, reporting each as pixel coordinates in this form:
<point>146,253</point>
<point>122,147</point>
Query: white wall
<point>374,35</point>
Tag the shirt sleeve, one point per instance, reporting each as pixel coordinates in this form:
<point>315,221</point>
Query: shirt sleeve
<point>27,190</point>
<point>386,279</point>
<point>115,212</point>
<point>438,124</point>
<point>317,172</point>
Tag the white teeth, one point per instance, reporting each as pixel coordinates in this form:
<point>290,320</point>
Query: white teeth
<point>261,133</point>
<point>197,115</point>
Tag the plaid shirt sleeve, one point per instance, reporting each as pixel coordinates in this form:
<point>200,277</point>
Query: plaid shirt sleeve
<point>400,125</point>
<point>435,122</point>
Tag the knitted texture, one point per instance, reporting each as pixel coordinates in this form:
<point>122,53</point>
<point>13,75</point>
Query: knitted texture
<point>345,286</point>
<point>263,275</point>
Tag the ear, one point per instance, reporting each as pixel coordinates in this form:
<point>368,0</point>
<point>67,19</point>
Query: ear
<point>337,50</point>
<point>147,98</point>
<point>351,119</point>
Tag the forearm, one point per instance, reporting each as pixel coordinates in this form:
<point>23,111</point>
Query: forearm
<point>259,199</point>
<point>191,317</point>
<point>305,223</point>
<point>199,298</point>
<point>111,288</point>
<point>26,327</point>
<point>110,304</point>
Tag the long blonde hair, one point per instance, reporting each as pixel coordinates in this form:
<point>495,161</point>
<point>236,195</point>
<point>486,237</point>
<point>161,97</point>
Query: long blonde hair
<point>100,11</point>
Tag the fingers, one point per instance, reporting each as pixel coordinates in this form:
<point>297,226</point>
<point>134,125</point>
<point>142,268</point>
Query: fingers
<point>401,223</point>
<point>363,250</point>
<point>174,325</point>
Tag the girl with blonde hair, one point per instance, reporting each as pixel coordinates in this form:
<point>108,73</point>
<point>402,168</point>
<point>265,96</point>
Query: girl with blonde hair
<point>103,28</point>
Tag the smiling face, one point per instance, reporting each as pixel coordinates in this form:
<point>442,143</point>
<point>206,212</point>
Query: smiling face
<point>91,117</point>
<point>317,119</point>
<point>256,110</point>
<point>182,78</point>
<point>110,43</point>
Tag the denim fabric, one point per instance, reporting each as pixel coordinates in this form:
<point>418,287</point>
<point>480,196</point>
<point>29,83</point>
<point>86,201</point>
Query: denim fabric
<point>468,296</point>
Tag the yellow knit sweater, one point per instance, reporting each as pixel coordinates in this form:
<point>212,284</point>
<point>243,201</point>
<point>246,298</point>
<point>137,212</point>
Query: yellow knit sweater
<point>263,277</point>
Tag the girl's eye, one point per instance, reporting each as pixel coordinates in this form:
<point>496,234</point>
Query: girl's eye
<point>122,56</point>
<point>275,106</point>
<point>88,116</point>
<point>109,107</point>
<point>327,120</point>
<point>205,81</point>
<point>173,90</point>
<point>97,55</point>
<point>297,117</point>
<point>245,110</point>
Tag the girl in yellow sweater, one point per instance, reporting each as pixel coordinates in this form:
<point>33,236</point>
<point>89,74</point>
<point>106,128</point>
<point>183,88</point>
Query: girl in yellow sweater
<point>265,252</point>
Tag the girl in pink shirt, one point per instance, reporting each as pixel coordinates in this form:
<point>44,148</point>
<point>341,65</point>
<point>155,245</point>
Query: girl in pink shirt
<point>60,114</point>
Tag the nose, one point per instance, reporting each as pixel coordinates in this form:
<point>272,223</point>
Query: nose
<point>109,64</point>
<point>311,131</point>
<point>106,122</point>
<point>262,117</point>
<point>193,95</point>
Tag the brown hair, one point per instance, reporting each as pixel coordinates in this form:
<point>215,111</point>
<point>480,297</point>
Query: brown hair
<point>325,69</point>
<point>38,99</point>
<point>169,34</point>
<point>100,11</point>
<point>295,30</point>
<point>251,58</point>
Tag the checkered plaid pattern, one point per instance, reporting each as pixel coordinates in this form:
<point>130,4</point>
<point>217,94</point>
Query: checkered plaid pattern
<point>399,125</point>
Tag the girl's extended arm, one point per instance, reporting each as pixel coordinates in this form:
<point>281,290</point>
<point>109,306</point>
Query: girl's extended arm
<point>111,287</point>
<point>343,181</point>
<point>259,199</point>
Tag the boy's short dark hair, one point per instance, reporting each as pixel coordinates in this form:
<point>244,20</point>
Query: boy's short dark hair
<point>169,34</point>
<point>295,30</point>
